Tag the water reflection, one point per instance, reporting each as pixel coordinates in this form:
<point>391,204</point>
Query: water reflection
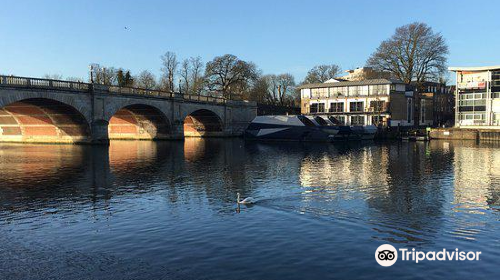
<point>410,179</point>
<point>410,185</point>
<point>175,200</point>
<point>477,177</point>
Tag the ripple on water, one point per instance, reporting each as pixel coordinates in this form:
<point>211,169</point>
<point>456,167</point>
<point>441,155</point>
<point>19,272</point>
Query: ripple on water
<point>167,209</point>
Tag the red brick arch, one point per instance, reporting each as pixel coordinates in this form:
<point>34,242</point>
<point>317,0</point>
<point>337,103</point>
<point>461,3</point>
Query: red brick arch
<point>203,123</point>
<point>140,122</point>
<point>42,120</point>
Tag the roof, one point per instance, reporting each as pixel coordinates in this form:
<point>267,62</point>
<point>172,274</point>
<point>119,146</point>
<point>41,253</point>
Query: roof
<point>353,83</point>
<point>479,68</point>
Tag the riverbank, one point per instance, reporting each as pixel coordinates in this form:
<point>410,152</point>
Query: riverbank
<point>465,134</point>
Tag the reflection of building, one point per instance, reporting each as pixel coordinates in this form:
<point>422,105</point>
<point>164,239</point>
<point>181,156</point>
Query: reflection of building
<point>336,171</point>
<point>373,101</point>
<point>477,97</point>
<point>475,171</point>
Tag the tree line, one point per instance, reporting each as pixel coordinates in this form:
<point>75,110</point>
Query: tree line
<point>224,76</point>
<point>415,53</point>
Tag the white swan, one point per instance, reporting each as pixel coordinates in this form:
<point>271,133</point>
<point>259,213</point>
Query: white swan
<point>248,200</point>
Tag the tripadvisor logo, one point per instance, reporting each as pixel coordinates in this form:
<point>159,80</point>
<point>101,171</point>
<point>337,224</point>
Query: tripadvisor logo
<point>387,255</point>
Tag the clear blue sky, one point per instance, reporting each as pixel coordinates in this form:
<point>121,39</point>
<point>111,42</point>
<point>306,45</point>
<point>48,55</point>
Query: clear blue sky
<point>63,37</point>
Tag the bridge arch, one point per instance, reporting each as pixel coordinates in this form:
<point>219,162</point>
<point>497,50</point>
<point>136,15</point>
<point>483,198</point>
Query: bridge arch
<point>203,123</point>
<point>42,120</point>
<point>80,102</point>
<point>139,122</point>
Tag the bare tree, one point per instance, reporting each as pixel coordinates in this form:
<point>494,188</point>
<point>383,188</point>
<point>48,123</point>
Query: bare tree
<point>197,79</point>
<point>414,53</point>
<point>185,73</point>
<point>104,75</point>
<point>259,90</point>
<point>191,72</point>
<point>170,63</point>
<point>146,80</point>
<point>322,73</point>
<point>229,75</point>
<point>281,89</point>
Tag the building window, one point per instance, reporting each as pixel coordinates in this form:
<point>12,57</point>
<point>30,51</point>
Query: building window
<point>356,106</point>
<point>473,118</point>
<point>377,106</point>
<point>319,92</point>
<point>317,108</point>
<point>338,91</point>
<point>363,90</point>
<point>378,90</point>
<point>336,107</point>
<point>409,110</point>
<point>422,111</point>
<point>353,91</point>
<point>376,120</point>
<point>357,120</point>
<point>313,108</point>
<point>341,119</point>
<point>321,107</point>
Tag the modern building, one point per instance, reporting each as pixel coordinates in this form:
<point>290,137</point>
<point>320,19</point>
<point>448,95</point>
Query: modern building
<point>477,97</point>
<point>383,102</point>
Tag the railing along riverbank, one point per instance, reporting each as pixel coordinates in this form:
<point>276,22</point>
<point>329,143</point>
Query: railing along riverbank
<point>38,83</point>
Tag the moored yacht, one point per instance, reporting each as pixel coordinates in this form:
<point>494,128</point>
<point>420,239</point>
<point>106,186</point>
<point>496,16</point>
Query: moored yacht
<point>306,128</point>
<point>288,128</point>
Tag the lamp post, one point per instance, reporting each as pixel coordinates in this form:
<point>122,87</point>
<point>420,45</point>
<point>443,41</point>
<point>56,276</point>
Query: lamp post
<point>91,73</point>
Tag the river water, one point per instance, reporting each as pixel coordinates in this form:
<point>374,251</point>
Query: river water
<point>166,210</point>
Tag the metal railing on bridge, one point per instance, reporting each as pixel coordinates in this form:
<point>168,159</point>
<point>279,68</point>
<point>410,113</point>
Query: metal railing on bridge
<point>25,82</point>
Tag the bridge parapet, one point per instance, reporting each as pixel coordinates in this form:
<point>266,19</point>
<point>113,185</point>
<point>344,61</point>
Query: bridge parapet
<point>25,82</point>
<point>50,84</point>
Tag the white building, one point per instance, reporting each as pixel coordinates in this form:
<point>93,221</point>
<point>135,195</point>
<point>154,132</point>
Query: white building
<point>373,101</point>
<point>477,97</point>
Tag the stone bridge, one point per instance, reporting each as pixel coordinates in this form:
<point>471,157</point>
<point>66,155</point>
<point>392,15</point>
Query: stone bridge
<point>53,111</point>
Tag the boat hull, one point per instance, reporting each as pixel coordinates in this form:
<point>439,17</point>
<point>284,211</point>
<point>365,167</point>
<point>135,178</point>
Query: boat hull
<point>287,128</point>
